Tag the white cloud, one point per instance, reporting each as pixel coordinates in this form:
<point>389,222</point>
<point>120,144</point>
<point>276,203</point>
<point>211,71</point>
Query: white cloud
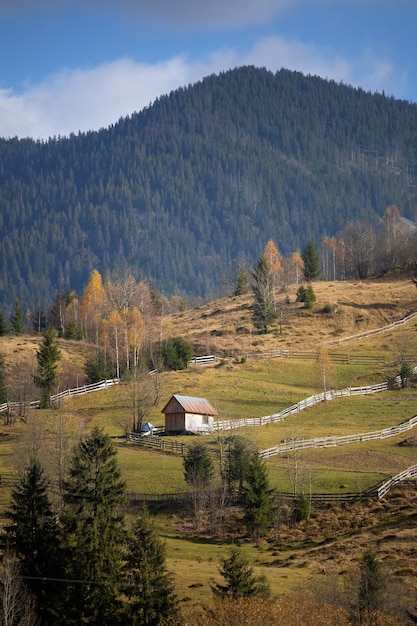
<point>93,98</point>
<point>86,99</point>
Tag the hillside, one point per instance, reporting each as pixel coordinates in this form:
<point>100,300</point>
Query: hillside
<point>199,180</point>
<point>225,326</point>
<point>310,557</point>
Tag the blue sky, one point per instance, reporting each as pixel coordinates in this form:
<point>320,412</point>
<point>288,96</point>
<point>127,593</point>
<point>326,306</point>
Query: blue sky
<point>71,65</point>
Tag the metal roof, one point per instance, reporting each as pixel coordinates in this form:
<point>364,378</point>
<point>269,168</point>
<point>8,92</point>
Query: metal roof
<point>190,404</point>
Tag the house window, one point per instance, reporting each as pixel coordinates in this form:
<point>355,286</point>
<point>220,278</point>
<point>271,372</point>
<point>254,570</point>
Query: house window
<point>205,419</point>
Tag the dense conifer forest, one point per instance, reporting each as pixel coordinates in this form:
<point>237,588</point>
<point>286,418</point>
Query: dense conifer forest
<point>200,180</point>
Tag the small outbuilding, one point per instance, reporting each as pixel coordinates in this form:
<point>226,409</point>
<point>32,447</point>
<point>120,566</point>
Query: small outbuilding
<point>186,414</point>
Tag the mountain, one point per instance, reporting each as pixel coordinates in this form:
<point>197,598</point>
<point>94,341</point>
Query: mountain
<point>199,179</point>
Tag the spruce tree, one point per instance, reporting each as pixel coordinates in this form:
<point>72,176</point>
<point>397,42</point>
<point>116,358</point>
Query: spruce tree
<point>198,473</point>
<point>263,309</point>
<point>239,454</point>
<point>17,320</point>
<point>258,498</point>
<point>311,262</point>
<point>33,534</point>
<point>4,326</point>
<point>94,532</point>
<point>310,297</point>
<point>371,585</point>
<point>3,386</point>
<point>242,282</point>
<point>48,356</point>
<point>239,577</point>
<point>198,465</point>
<point>147,583</point>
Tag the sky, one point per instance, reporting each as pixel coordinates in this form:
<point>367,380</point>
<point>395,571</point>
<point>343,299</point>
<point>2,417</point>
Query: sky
<point>80,65</point>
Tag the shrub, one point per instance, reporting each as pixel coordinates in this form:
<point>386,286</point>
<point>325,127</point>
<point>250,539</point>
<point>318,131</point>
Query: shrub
<point>329,309</point>
<point>310,298</point>
<point>301,293</point>
<point>177,352</point>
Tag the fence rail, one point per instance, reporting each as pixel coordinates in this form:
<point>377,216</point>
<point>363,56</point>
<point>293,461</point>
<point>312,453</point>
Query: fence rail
<point>300,406</point>
<point>370,333</point>
<point>409,474</point>
<point>328,442</point>
<point>35,404</point>
<point>155,442</point>
<point>380,490</point>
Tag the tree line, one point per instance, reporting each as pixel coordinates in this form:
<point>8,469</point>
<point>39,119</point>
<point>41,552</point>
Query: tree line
<point>122,317</point>
<point>191,184</point>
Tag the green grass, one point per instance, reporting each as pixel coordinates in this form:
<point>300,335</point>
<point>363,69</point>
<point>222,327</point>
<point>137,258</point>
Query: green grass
<point>252,389</point>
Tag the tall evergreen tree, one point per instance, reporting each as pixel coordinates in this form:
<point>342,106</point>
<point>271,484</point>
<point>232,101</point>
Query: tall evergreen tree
<point>94,532</point>
<point>4,326</point>
<point>241,582</point>
<point>3,385</point>
<point>177,353</point>
<point>311,262</point>
<point>239,454</point>
<point>17,320</point>
<point>33,534</point>
<point>148,585</point>
<point>263,309</point>
<point>258,498</point>
<point>242,282</point>
<point>198,473</point>
<point>198,465</point>
<point>371,585</point>
<point>48,356</point>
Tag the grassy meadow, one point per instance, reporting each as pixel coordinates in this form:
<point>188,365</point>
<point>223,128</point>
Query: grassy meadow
<point>253,388</point>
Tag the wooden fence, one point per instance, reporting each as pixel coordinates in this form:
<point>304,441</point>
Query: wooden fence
<point>103,384</point>
<point>300,406</point>
<point>409,474</point>
<point>327,442</point>
<point>158,443</point>
<point>233,496</point>
<point>370,333</point>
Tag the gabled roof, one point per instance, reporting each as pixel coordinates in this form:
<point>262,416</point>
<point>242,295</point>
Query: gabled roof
<point>190,404</point>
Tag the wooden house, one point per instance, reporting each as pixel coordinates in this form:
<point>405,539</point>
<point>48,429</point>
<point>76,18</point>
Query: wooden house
<point>186,414</point>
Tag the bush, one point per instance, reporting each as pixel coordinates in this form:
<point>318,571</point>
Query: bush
<point>310,298</point>
<point>329,309</point>
<point>301,509</point>
<point>97,369</point>
<point>301,293</point>
<point>177,352</point>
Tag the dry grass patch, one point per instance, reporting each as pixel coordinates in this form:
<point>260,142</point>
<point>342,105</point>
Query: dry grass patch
<point>225,325</point>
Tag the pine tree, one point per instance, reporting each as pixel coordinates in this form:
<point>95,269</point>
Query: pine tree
<point>17,320</point>
<point>240,579</point>
<point>371,584</point>
<point>94,532</point>
<point>3,386</point>
<point>311,262</point>
<point>242,282</point>
<point>198,465</point>
<point>4,326</point>
<point>198,473</point>
<point>177,353</point>
<point>148,585</point>
<point>309,297</point>
<point>258,498</point>
<point>263,309</point>
<point>48,356</point>
<point>239,455</point>
<point>33,535</point>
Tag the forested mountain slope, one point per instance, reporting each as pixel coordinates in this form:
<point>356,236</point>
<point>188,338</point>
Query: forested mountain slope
<point>201,178</point>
